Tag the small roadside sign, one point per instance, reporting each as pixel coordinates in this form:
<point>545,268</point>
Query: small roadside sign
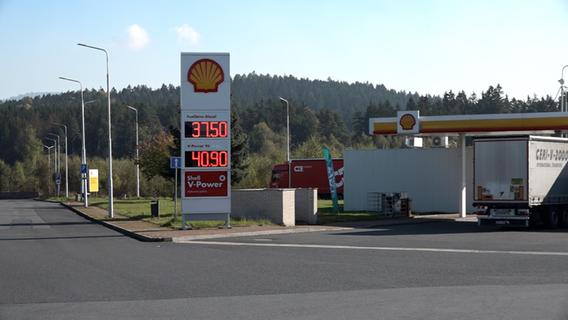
<point>175,162</point>
<point>58,179</point>
<point>93,180</point>
<point>84,169</point>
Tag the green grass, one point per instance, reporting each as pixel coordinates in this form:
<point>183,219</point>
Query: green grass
<point>327,216</point>
<point>139,209</point>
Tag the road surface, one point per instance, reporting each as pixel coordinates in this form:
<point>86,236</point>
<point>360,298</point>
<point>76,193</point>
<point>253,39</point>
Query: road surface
<point>57,265</point>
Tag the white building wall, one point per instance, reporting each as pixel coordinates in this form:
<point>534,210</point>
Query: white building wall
<point>431,177</point>
<point>277,205</point>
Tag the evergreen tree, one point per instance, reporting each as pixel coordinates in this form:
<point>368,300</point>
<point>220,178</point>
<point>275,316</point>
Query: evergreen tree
<point>239,150</point>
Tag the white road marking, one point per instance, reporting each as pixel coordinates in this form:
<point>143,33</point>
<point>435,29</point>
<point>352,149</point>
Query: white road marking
<point>319,246</point>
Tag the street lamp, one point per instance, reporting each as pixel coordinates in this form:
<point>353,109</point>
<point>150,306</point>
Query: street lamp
<point>58,160</point>
<point>110,189</point>
<point>55,156</point>
<point>137,155</point>
<point>83,147</point>
<point>288,139</point>
<point>561,81</point>
<point>48,164</point>
<point>66,160</point>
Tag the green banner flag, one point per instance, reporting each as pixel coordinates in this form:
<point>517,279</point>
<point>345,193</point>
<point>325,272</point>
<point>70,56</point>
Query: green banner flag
<point>331,178</point>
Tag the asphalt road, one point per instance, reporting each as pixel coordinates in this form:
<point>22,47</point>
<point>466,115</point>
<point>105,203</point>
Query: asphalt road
<point>56,265</point>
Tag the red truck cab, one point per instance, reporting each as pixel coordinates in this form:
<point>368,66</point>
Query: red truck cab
<point>308,173</point>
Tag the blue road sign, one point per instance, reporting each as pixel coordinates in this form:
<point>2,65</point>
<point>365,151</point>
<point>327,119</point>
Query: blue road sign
<point>58,179</point>
<point>175,162</point>
<point>84,169</point>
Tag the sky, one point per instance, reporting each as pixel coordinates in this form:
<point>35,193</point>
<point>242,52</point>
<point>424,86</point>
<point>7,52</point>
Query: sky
<point>428,47</point>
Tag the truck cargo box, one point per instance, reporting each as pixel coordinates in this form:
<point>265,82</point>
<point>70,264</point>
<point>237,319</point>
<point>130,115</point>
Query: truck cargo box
<point>522,171</point>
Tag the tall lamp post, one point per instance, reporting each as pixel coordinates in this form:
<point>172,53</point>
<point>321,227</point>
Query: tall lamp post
<point>83,147</point>
<point>58,158</point>
<point>66,160</point>
<point>137,154</point>
<point>55,155</point>
<point>288,140</point>
<point>48,164</point>
<point>110,189</point>
<point>57,163</point>
<point>562,99</point>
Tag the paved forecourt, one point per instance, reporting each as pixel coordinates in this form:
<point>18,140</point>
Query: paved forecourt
<point>71,268</point>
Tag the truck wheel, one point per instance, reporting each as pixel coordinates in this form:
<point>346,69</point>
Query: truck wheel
<point>552,218</point>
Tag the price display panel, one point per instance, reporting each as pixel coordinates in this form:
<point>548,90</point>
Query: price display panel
<point>207,159</point>
<point>206,129</point>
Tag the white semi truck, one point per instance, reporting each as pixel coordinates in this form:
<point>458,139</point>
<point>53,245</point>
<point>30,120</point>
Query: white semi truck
<point>521,180</point>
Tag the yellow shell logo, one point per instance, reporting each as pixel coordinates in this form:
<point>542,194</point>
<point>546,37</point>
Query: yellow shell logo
<point>407,122</point>
<point>205,75</point>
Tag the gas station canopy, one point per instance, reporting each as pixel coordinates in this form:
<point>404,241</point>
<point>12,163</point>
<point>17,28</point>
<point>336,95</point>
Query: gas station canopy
<point>411,123</point>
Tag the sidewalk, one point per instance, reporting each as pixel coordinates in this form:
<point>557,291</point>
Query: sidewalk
<point>146,231</point>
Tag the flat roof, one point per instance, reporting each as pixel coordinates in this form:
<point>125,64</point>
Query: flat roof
<point>475,123</point>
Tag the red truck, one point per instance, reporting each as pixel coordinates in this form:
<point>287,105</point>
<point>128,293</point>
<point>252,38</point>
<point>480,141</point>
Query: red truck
<point>308,173</point>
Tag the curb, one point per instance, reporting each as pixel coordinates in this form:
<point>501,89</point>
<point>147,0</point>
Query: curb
<point>378,223</point>
<point>181,239</point>
<point>258,233</point>
<point>125,232</point>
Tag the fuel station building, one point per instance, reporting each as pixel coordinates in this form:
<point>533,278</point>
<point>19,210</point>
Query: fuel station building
<point>437,179</point>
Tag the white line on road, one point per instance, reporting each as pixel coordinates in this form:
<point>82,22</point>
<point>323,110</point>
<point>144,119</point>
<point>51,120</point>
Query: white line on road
<point>319,246</point>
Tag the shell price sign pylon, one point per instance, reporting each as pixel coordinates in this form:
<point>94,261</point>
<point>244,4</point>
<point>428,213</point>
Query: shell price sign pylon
<point>205,136</point>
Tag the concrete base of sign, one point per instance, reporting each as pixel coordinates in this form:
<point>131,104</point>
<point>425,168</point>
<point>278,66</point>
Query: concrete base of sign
<point>306,200</point>
<point>277,205</point>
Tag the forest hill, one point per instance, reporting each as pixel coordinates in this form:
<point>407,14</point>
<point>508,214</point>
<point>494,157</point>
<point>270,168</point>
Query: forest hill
<point>328,113</point>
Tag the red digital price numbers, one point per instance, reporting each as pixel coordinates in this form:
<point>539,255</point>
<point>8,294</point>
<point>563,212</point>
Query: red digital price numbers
<point>206,129</point>
<point>206,159</point>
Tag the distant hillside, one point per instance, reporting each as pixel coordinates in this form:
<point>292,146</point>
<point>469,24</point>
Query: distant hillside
<point>29,94</point>
<point>330,110</point>
<point>341,97</point>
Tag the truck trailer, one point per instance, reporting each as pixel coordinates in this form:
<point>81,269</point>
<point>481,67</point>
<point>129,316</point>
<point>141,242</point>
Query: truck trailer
<point>521,180</point>
<point>308,173</point>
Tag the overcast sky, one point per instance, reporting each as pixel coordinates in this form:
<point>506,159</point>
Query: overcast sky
<point>423,46</point>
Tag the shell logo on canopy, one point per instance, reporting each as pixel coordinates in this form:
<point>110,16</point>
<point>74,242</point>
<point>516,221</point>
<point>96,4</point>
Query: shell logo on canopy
<point>407,121</point>
<point>205,75</point>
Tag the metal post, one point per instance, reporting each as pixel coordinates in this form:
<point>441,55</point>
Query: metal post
<point>463,198</point>
<point>66,161</point>
<point>137,155</point>
<point>175,194</point>
<point>58,163</point>
<point>110,188</point>
<point>54,157</point>
<point>562,97</point>
<point>288,140</point>
<point>83,146</point>
<point>48,165</point>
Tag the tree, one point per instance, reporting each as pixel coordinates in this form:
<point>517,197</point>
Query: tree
<point>155,154</point>
<point>265,141</point>
<point>4,176</point>
<point>239,150</point>
<point>492,101</point>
